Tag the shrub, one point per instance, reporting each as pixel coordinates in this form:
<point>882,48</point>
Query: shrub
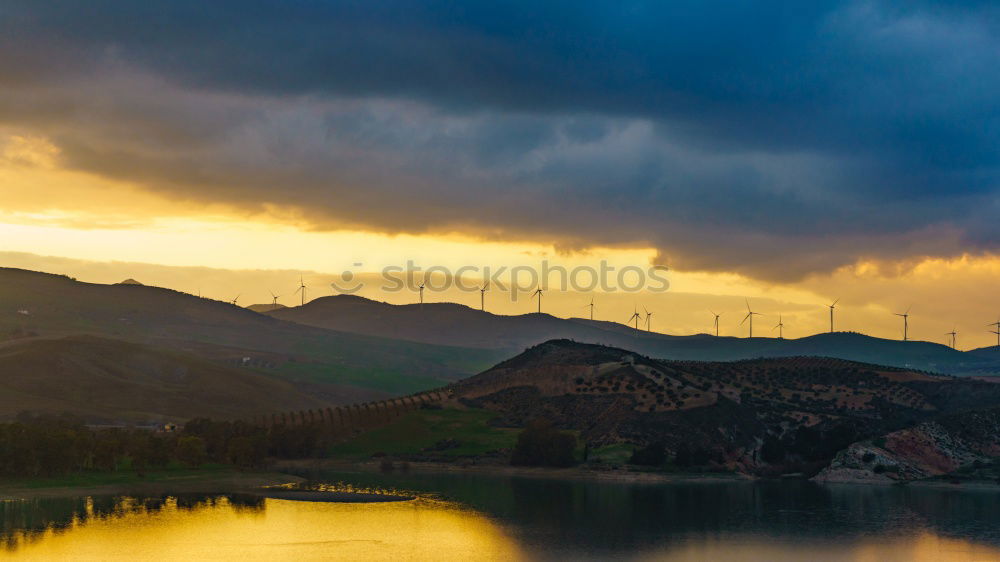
<point>541,444</point>
<point>191,451</point>
<point>654,454</point>
<point>772,451</point>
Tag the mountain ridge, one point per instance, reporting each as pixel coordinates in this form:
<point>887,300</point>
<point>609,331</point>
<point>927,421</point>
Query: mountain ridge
<point>437,323</point>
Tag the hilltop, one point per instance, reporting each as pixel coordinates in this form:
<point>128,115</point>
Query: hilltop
<point>102,379</point>
<point>262,308</point>
<point>784,414</point>
<point>339,366</point>
<point>454,324</point>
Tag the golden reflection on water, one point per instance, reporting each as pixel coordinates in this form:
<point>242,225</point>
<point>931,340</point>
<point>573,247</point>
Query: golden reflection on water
<point>283,530</point>
<point>925,547</point>
<point>423,529</point>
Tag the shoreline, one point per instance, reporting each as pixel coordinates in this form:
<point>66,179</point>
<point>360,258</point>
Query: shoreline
<point>585,474</point>
<point>289,473</point>
<point>217,481</point>
<point>571,473</point>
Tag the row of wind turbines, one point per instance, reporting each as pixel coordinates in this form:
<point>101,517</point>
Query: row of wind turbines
<point>748,319</point>
<point>647,317</point>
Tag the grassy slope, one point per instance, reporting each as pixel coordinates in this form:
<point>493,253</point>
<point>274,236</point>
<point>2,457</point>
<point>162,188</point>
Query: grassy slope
<point>424,428</point>
<point>123,476</point>
<point>58,305</point>
<point>107,379</point>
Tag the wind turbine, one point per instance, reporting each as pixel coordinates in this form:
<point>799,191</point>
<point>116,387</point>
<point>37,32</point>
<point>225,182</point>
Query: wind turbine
<point>420,290</point>
<point>274,299</point>
<point>781,328</point>
<point>952,333</point>
<point>591,305</point>
<point>538,293</point>
<point>301,289</point>
<point>832,306</point>
<point>635,316</point>
<point>482,296</point>
<point>750,315</point>
<point>233,302</point>
<point>906,322</point>
<point>997,331</point>
<point>649,315</point>
<point>716,323</point>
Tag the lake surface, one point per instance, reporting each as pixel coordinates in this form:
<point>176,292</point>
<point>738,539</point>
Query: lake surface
<point>476,517</point>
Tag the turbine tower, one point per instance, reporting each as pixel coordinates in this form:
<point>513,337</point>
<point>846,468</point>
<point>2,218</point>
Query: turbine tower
<point>649,316</point>
<point>538,293</point>
<point>906,322</point>
<point>716,323</point>
<point>997,331</point>
<point>952,333</point>
<point>635,316</point>
<point>749,316</point>
<point>301,289</point>
<point>832,306</point>
<point>781,328</point>
<point>482,296</point>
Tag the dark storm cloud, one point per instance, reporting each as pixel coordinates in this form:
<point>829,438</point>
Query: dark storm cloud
<point>772,138</point>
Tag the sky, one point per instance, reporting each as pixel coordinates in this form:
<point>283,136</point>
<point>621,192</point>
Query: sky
<point>789,153</point>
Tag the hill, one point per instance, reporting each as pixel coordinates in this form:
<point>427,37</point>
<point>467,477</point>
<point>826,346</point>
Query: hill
<point>265,307</point>
<point>109,380</point>
<point>959,446</point>
<point>339,366</point>
<point>786,414</point>
<point>453,324</point>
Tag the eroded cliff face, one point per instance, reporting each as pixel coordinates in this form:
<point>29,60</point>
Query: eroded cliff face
<point>934,448</point>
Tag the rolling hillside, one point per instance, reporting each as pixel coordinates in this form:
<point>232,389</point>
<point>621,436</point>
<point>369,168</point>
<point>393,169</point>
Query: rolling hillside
<point>323,361</point>
<point>805,409</point>
<point>102,379</point>
<point>453,324</point>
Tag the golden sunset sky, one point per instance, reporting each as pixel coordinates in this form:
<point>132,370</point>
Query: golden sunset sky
<point>103,230</point>
<point>788,156</point>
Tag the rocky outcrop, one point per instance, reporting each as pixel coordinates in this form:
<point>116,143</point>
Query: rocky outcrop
<point>929,449</point>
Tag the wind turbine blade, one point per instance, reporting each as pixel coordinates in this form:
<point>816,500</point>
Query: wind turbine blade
<point>834,303</point>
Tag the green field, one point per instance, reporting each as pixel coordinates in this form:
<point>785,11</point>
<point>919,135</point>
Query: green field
<point>425,431</point>
<point>619,454</point>
<point>123,476</point>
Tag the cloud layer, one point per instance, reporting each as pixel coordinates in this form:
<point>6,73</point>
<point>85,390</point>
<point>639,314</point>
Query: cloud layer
<point>755,137</point>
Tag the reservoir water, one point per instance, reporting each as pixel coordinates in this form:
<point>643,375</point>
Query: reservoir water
<point>475,517</point>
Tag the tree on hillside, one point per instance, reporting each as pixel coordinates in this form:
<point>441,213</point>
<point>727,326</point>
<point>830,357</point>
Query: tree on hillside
<point>191,451</point>
<point>541,444</point>
<point>654,454</point>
